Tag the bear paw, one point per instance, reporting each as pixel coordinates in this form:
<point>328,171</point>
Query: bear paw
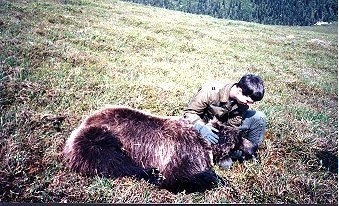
<point>154,176</point>
<point>221,181</point>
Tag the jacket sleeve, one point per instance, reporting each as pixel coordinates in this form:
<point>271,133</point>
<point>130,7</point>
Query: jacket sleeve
<point>196,107</point>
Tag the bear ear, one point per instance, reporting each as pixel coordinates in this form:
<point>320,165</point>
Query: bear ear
<point>248,147</point>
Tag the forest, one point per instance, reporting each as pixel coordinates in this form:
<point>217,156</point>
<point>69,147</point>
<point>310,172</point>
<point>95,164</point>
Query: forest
<point>275,12</point>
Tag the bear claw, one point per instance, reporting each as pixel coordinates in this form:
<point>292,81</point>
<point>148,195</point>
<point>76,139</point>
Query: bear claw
<point>154,176</point>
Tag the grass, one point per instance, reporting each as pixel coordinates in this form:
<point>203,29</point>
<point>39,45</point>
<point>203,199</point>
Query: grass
<point>62,59</point>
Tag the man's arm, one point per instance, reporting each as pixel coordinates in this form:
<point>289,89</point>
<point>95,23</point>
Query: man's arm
<point>196,107</point>
<point>195,110</point>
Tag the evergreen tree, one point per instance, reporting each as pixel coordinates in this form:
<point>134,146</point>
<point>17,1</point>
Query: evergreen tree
<point>285,12</point>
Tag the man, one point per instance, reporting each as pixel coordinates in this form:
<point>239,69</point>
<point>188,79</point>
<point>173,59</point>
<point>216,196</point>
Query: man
<point>229,104</point>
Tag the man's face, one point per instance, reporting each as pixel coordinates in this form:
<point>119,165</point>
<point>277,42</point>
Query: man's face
<point>242,99</point>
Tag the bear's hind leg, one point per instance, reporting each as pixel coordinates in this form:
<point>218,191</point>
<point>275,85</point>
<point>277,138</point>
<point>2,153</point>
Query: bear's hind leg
<point>95,150</point>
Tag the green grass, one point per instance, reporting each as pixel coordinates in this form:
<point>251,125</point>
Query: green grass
<point>61,60</point>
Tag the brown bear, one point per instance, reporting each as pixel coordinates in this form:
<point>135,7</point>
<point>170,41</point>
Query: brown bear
<point>121,141</point>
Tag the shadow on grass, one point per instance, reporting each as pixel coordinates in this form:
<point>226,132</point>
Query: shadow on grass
<point>329,160</point>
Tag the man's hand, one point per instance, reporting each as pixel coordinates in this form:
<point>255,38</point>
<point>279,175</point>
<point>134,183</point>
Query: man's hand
<point>207,132</point>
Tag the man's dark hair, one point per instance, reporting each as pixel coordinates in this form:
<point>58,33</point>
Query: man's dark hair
<point>252,86</point>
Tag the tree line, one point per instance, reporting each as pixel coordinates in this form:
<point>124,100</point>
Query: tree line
<point>278,12</point>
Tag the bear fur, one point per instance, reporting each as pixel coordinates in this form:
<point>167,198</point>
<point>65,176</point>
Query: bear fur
<point>121,141</point>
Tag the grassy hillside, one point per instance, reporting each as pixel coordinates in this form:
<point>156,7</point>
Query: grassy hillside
<point>62,59</point>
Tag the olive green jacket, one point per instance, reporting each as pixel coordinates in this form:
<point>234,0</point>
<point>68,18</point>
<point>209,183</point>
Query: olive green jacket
<point>213,100</point>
